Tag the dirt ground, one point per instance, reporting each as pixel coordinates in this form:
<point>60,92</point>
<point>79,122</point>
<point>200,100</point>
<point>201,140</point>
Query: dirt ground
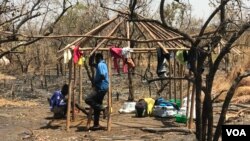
<point>25,115</point>
<point>35,122</point>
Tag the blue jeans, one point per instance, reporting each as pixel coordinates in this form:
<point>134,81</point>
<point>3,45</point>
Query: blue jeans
<point>94,100</point>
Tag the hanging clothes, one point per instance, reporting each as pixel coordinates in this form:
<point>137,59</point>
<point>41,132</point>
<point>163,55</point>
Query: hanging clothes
<point>77,54</point>
<point>185,55</point>
<point>161,63</point>
<point>116,52</point>
<point>130,62</point>
<point>67,56</point>
<point>81,60</point>
<point>126,52</point>
<point>192,57</point>
<point>179,57</point>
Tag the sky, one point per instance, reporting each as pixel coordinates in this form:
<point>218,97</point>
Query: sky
<point>200,8</point>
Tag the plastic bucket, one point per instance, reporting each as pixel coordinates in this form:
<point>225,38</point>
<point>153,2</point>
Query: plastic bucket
<point>180,118</point>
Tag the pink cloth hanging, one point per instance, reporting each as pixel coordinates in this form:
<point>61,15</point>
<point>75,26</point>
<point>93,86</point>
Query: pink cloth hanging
<point>117,54</point>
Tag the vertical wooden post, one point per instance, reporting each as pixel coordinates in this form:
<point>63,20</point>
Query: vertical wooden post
<point>69,107</point>
<point>109,91</point>
<point>181,83</point>
<point>188,96</point>
<point>174,77</point>
<point>70,68</point>
<point>170,85</point>
<point>80,84</point>
<point>69,96</point>
<point>192,108</point>
<point>131,88</point>
<point>73,94</point>
<point>149,62</point>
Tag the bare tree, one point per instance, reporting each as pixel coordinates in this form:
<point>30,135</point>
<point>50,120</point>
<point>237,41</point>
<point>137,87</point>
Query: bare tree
<point>16,15</point>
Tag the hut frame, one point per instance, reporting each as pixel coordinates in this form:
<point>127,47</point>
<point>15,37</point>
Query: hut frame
<point>151,32</point>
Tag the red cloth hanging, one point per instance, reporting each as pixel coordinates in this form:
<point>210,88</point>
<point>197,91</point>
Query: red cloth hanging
<point>77,54</point>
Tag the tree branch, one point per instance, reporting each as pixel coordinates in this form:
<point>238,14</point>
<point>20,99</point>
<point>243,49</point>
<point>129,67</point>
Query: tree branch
<point>29,16</point>
<point>228,47</point>
<point>162,12</point>
<point>47,32</point>
<point>165,25</point>
<point>226,103</point>
<point>209,20</point>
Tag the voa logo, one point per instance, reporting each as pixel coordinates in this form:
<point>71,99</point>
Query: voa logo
<point>236,132</point>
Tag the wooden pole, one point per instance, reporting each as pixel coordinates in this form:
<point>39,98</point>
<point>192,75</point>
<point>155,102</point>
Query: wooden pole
<point>149,62</point>
<point>170,78</point>
<point>65,73</point>
<point>73,94</point>
<point>134,49</point>
<point>177,41</point>
<point>109,91</point>
<point>69,96</point>
<point>105,37</point>
<point>181,83</point>
<point>131,88</point>
<point>170,85</point>
<point>191,109</point>
<point>93,31</point>
<point>128,33</point>
<point>188,96</point>
<point>154,37</point>
<point>154,30</point>
<point>174,79</point>
<point>69,107</point>
<point>110,34</point>
<point>80,84</point>
<point>70,67</point>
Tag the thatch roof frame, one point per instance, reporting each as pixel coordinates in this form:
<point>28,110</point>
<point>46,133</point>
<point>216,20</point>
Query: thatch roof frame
<point>139,30</point>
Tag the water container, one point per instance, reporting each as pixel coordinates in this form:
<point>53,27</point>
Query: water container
<point>128,107</point>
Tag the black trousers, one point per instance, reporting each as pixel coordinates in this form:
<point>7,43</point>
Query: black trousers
<point>94,100</point>
<point>161,62</point>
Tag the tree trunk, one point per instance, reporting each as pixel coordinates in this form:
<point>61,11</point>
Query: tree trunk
<point>209,105</point>
<point>210,119</point>
<point>200,57</point>
<point>198,108</point>
<point>204,118</point>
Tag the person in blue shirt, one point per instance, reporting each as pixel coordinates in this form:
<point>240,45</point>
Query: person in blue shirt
<point>58,102</point>
<point>101,86</point>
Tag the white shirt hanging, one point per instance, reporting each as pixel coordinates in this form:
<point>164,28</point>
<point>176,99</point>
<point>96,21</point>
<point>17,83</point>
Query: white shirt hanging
<point>126,52</point>
<point>67,56</point>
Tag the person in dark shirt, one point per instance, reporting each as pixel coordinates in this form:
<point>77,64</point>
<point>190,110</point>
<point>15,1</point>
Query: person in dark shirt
<point>101,86</point>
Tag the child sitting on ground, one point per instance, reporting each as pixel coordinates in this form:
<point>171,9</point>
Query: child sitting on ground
<point>58,102</point>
